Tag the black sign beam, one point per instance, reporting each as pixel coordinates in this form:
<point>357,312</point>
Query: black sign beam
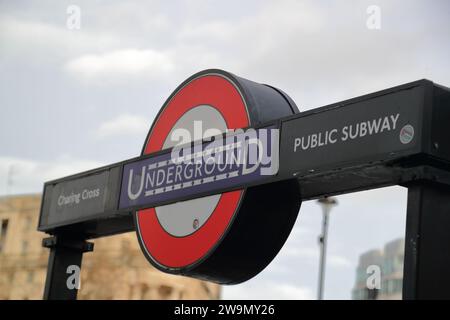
<point>380,139</point>
<point>397,136</point>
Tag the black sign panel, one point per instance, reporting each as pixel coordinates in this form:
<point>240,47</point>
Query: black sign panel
<point>80,199</point>
<point>380,127</point>
<point>343,147</point>
<point>220,165</point>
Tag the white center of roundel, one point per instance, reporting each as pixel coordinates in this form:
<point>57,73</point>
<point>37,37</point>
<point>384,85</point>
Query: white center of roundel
<point>183,218</point>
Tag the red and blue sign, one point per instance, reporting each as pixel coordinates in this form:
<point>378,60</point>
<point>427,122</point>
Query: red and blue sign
<point>194,237</point>
<point>238,159</point>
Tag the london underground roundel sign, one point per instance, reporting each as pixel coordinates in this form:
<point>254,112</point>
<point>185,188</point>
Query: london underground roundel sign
<point>229,237</point>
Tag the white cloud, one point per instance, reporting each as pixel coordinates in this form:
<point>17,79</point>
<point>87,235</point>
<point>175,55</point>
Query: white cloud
<point>301,252</point>
<point>42,40</point>
<point>338,261</point>
<point>124,124</point>
<point>28,176</point>
<point>120,65</point>
<point>312,255</point>
<point>300,231</point>
<point>267,290</point>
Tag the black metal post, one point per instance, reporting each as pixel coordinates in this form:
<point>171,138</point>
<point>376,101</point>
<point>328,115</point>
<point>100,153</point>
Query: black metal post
<point>64,252</point>
<point>426,272</point>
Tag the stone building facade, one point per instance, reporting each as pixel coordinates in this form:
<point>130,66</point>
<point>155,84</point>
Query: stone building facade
<point>116,269</point>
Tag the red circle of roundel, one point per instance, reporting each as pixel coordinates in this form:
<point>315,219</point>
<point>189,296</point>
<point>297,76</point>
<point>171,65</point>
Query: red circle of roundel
<point>177,252</point>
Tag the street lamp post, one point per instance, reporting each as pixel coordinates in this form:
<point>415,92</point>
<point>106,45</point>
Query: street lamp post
<point>326,203</point>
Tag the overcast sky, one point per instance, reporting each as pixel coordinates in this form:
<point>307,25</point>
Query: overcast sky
<point>74,99</point>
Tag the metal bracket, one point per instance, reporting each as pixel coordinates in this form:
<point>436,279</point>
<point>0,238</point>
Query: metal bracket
<point>68,243</point>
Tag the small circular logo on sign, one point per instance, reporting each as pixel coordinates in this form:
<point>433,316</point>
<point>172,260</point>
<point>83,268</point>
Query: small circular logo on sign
<point>407,134</point>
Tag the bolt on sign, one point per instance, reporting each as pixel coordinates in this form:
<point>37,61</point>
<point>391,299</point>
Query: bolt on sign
<point>227,162</point>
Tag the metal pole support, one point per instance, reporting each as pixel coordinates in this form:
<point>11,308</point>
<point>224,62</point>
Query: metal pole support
<point>426,272</point>
<point>64,262</point>
<point>323,253</point>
